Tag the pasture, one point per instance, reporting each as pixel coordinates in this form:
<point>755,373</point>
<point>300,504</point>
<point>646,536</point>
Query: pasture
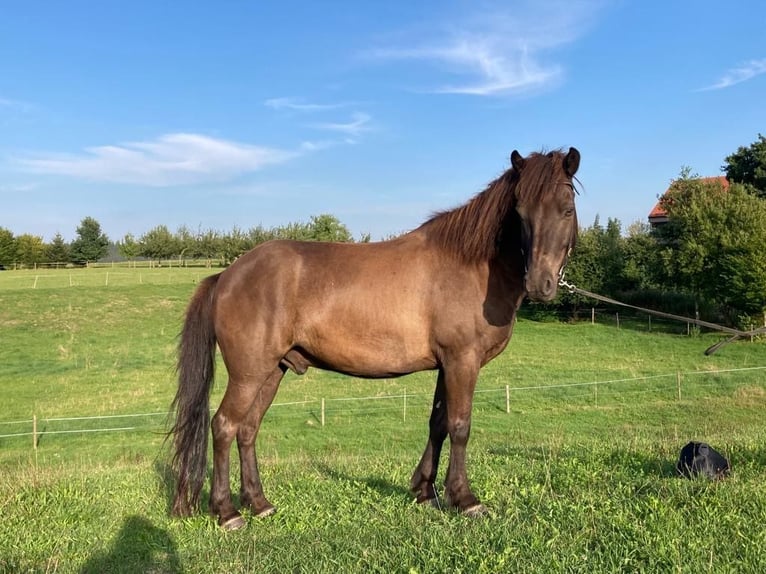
<point>578,476</point>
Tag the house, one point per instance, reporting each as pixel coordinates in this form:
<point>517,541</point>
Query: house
<point>658,216</point>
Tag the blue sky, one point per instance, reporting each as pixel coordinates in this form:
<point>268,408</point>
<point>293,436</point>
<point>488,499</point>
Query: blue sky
<point>216,114</point>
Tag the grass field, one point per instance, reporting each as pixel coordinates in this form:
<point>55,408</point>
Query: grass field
<point>578,476</point>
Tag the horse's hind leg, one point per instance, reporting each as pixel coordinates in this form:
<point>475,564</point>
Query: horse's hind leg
<point>232,415</point>
<point>251,489</point>
<point>422,483</point>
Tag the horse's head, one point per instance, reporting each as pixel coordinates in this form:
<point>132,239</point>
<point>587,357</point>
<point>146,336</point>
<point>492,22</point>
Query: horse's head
<point>545,205</point>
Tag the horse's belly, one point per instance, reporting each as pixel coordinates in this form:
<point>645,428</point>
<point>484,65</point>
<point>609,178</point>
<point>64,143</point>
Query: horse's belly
<point>374,351</point>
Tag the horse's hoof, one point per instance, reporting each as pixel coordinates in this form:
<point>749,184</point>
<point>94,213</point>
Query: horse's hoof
<point>266,512</point>
<point>233,523</point>
<point>476,511</point>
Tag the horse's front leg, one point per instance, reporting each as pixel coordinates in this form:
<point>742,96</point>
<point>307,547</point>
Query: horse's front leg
<point>424,477</point>
<point>460,382</point>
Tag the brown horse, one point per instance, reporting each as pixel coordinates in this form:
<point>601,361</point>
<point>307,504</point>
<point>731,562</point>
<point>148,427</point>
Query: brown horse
<point>442,297</point>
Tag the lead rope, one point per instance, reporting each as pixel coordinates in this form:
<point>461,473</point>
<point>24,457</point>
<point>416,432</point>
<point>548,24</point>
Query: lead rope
<point>736,333</point>
<point>436,498</point>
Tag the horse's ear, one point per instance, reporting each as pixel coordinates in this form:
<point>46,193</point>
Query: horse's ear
<point>572,162</point>
<point>517,161</point>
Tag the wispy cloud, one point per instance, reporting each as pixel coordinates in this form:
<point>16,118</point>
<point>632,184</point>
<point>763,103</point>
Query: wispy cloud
<point>298,105</point>
<point>360,122</point>
<point>171,159</point>
<point>14,188</point>
<point>743,73</point>
<point>491,70</point>
<point>497,52</point>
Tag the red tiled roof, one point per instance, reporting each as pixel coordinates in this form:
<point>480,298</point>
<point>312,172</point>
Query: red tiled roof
<point>658,211</point>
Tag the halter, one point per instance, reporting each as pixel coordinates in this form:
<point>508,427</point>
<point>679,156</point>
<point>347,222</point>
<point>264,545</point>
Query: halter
<point>564,264</point>
<point>569,246</point>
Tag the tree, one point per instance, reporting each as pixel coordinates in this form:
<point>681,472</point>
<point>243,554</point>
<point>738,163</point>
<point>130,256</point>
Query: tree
<point>326,227</point>
<point>748,166</point>
<point>158,243</point>
<point>187,242</point>
<point>91,243</point>
<point>57,251</point>
<point>8,252</point>
<point>297,231</point>
<point>258,235</point>
<point>598,261</point>
<point>639,251</point>
<point>128,247</point>
<point>30,249</point>
<point>712,245</point>
<point>209,244</point>
<point>322,227</point>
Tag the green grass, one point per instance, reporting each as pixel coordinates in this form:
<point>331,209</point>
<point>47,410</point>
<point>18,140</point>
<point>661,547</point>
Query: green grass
<point>578,477</point>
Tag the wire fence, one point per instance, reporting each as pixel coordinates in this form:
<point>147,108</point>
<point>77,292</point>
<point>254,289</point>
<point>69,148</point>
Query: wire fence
<point>666,387</point>
<point>101,278</point>
<point>634,319</point>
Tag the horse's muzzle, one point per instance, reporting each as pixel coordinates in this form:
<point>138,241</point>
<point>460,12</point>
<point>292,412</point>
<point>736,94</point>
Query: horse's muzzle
<point>541,288</point>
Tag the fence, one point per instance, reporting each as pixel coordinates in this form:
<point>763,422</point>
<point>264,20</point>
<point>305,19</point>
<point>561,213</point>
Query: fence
<point>142,263</point>
<point>102,277</point>
<point>629,319</point>
<point>668,386</point>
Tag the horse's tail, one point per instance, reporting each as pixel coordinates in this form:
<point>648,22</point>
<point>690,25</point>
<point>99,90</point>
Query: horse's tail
<point>196,370</point>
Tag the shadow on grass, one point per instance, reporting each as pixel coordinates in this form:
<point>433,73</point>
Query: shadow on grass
<point>138,547</point>
<point>645,463</point>
<point>166,480</point>
<point>382,486</point>
<point>650,464</point>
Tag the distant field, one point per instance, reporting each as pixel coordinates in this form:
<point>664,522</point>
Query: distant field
<point>578,475</point>
<point>106,276</point>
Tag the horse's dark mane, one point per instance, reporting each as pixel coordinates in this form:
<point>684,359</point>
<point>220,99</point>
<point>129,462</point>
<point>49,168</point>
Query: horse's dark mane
<point>472,231</point>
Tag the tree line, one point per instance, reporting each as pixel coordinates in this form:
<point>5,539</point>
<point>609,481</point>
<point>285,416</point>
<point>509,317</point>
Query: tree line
<point>709,258</point>
<point>92,244</point>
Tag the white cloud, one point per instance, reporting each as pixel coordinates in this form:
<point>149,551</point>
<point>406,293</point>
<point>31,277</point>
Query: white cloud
<point>743,73</point>
<point>498,52</point>
<point>171,159</point>
<point>359,123</point>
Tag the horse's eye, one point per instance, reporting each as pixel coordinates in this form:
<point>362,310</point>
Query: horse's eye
<point>569,212</point>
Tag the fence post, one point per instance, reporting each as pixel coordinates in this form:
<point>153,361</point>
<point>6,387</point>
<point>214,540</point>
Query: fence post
<point>617,315</point>
<point>507,400</point>
<point>322,411</point>
<point>678,384</point>
<point>592,315</point>
<point>34,432</point>
<point>404,408</point>
<point>595,393</point>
